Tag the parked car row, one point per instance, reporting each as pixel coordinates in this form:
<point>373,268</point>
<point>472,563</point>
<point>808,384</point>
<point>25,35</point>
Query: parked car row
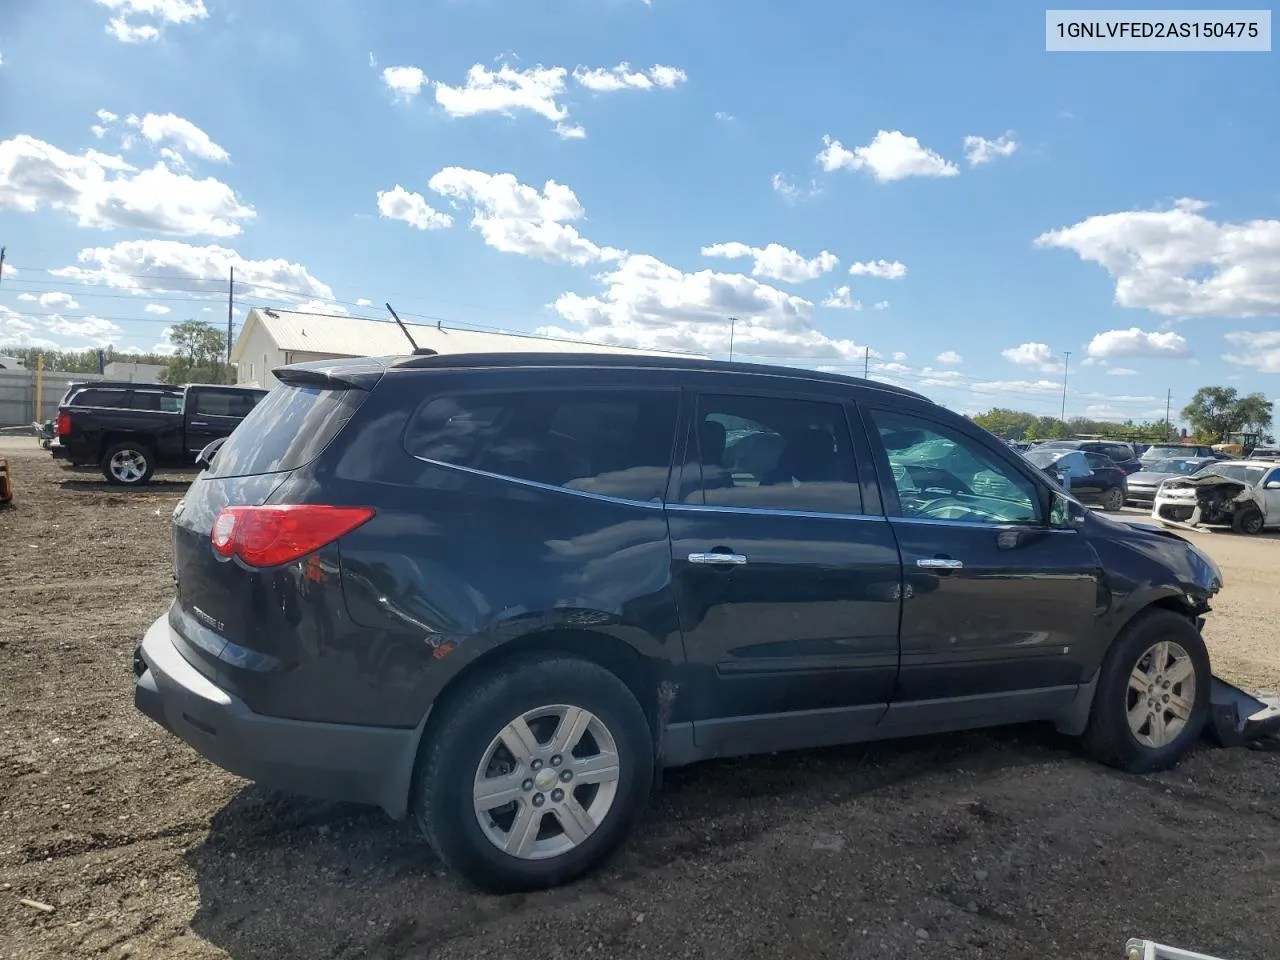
<point>498,593</point>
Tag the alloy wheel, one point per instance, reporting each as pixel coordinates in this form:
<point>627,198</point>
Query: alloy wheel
<point>128,466</point>
<point>546,782</point>
<point>1161,694</point>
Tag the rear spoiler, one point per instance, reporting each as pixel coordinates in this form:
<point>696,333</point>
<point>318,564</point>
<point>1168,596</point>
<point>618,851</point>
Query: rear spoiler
<point>361,374</point>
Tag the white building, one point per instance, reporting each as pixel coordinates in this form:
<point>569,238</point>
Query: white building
<point>273,338</point>
<point>134,372</point>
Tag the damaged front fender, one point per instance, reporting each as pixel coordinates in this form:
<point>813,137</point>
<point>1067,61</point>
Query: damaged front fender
<point>1188,502</point>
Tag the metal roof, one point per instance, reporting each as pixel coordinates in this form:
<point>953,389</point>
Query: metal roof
<point>349,336</point>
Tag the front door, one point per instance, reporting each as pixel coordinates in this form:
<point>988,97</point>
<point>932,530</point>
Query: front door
<point>998,607</point>
<point>788,593</point>
<point>1270,498</point>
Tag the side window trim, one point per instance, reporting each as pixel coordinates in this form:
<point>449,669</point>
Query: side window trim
<point>889,488</point>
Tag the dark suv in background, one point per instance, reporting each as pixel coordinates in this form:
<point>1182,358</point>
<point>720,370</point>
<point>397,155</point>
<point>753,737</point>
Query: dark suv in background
<point>500,592</point>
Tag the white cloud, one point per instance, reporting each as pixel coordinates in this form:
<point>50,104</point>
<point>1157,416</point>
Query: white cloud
<point>899,356</point>
<point>1121,372</point>
<point>651,304</point>
<point>405,82</point>
<point>979,150</point>
<point>16,331</point>
<point>171,128</point>
<point>126,28</point>
<point>900,369</point>
<point>516,218</point>
<point>412,208</point>
<point>881,305</point>
<point>622,77</point>
<point>775,261</point>
<point>166,266</point>
<point>321,306</point>
<point>362,302</point>
<point>58,301</point>
<point>1037,355</point>
<point>1261,350</point>
<point>1136,342</point>
<point>790,191</point>
<point>841,298</point>
<point>879,268</point>
<point>950,356</point>
<point>30,297</point>
<point>106,192</point>
<point>95,329</point>
<point>891,155</point>
<point>1180,263</point>
<point>724,116</point>
<point>156,308</point>
<point>1017,386</point>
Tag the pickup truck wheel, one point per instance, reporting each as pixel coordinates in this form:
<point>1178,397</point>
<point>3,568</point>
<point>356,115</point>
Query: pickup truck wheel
<point>128,464</point>
<point>535,774</point>
<point>1152,698</point>
<point>1247,520</point>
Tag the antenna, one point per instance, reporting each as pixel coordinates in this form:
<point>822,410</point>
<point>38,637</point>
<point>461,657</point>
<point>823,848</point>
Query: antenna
<point>417,350</point>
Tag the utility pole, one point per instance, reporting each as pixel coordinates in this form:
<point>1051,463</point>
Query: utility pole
<point>231,304</point>
<point>866,364</point>
<point>732,322</point>
<point>2,264</point>
<point>1065,364</point>
<point>1168,424</point>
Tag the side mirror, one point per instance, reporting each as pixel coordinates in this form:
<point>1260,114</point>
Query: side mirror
<point>1067,514</point>
<point>204,458</point>
<point>1273,484</point>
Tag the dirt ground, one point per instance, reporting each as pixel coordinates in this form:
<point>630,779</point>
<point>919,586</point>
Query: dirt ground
<point>987,845</point>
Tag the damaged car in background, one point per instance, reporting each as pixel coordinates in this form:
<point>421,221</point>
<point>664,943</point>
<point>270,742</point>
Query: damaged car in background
<point>1243,494</point>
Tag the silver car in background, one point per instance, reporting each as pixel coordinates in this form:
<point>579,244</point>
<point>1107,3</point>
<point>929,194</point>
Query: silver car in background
<point>1144,484</point>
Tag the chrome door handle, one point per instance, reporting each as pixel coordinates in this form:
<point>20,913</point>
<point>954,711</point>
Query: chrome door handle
<point>940,563</point>
<point>733,559</point>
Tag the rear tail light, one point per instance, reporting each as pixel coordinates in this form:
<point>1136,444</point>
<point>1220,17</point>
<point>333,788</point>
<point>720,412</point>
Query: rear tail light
<point>63,425</point>
<point>268,536</point>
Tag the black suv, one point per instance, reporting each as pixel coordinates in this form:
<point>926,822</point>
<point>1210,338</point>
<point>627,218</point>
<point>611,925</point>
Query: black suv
<point>500,592</point>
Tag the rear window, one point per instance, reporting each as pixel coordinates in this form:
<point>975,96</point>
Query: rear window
<point>225,403</point>
<point>287,430</point>
<point>615,443</point>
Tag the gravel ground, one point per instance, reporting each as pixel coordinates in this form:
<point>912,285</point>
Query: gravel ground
<point>990,845</point>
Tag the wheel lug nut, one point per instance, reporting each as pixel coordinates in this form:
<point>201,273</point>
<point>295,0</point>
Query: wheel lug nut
<point>566,775</point>
<point>557,760</point>
<point>527,785</point>
<point>539,799</point>
<point>557,795</point>
<point>536,765</point>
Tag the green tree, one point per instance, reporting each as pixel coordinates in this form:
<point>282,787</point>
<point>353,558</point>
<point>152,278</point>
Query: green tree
<point>200,354</point>
<point>1215,412</point>
<point>1005,423</point>
<point>77,361</point>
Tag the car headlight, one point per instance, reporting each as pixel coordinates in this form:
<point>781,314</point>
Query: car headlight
<point>1207,571</point>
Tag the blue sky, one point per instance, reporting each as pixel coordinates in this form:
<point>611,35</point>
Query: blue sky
<point>636,172</point>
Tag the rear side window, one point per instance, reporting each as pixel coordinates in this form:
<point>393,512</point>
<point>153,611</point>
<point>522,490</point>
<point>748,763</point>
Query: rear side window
<point>224,403</point>
<point>615,443</point>
<point>286,430</point>
<point>774,453</point>
<point>100,398</point>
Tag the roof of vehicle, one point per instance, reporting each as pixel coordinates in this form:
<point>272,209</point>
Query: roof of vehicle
<point>464,360</point>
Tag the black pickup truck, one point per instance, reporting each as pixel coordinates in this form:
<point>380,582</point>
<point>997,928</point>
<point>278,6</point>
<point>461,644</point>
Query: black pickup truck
<point>129,439</point>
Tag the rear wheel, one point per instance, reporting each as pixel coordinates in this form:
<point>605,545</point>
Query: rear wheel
<point>1113,500</point>
<point>1247,520</point>
<point>128,464</point>
<point>535,775</point>
<point>1152,699</point>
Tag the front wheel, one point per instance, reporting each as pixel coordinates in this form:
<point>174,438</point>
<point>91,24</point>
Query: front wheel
<point>1152,698</point>
<point>128,464</point>
<point>1113,500</point>
<point>535,774</point>
<point>1247,520</point>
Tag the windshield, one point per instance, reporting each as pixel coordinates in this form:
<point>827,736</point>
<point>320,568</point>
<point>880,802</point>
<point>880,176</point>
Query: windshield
<point>1163,453</point>
<point>1233,471</point>
<point>1173,466</point>
<point>1042,458</point>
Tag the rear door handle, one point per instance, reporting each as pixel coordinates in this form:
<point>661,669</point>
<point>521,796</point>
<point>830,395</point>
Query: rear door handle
<point>729,559</point>
<point>940,563</point>
<point>198,423</point>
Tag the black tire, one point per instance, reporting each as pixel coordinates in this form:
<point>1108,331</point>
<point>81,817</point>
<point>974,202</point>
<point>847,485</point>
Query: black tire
<point>457,744</point>
<point>1108,737</point>
<point>139,455</point>
<point>1248,521</point>
<point>1112,499</point>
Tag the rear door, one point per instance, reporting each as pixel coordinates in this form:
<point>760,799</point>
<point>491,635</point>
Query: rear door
<point>212,413</point>
<point>998,607</point>
<point>787,576</point>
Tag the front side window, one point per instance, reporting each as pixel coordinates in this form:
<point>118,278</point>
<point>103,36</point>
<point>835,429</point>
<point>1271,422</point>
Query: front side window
<point>615,443</point>
<point>941,474</point>
<point>773,453</point>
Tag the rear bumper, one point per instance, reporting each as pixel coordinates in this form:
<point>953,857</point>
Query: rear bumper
<point>336,761</point>
<point>60,452</point>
